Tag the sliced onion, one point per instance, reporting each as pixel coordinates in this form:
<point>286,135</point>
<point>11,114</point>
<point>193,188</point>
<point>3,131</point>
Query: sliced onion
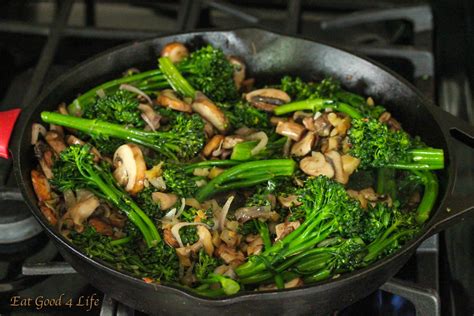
<point>36,130</point>
<point>223,214</point>
<point>69,198</point>
<point>150,117</point>
<point>135,90</point>
<point>170,215</point>
<point>181,209</point>
<point>263,141</point>
<point>176,227</point>
<point>100,93</point>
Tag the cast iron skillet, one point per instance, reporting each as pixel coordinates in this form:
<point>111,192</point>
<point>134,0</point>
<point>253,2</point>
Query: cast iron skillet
<point>268,56</point>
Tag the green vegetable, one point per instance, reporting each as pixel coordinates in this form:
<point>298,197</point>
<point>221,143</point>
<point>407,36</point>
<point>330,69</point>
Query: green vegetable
<point>228,286</point>
<point>206,70</point>
<point>329,210</point>
<point>179,181</point>
<point>184,140</point>
<point>329,89</point>
<point>120,107</point>
<point>75,169</point>
<point>205,265</point>
<point>159,262</point>
<point>243,151</point>
<point>377,146</point>
<point>242,114</point>
<point>247,174</point>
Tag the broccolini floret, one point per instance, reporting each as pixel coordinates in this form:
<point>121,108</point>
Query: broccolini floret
<point>120,107</point>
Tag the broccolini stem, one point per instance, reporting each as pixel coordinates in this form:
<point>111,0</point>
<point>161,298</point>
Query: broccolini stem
<point>315,105</point>
<point>430,181</point>
<point>319,276</point>
<point>121,241</point>
<point>376,248</point>
<point>111,193</point>
<point>210,163</point>
<point>386,183</point>
<point>100,128</point>
<point>175,79</point>
<point>225,180</point>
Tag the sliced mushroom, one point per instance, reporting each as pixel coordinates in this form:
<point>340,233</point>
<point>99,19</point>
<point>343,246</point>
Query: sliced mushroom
<point>384,117</point>
<point>101,226</point>
<point>41,186</point>
<point>330,143</point>
<point>289,201</point>
<point>117,220</point>
<point>214,143</point>
<point>230,255</point>
<point>49,214</point>
<point>37,130</point>
<point>239,70</point>
<point>168,98</point>
<point>184,254</point>
<point>336,161</point>
<point>274,120</point>
<point>316,165</point>
<point>231,238</point>
<point>369,194</point>
<point>304,146</point>
<point>166,200</point>
<point>299,116</point>
<point>175,51</point>
<point>284,229</point>
<point>245,214</point>
<point>349,163</point>
<point>322,126</point>
<point>151,118</point>
<point>129,168</point>
<point>209,111</point>
<point>45,156</point>
<point>296,282</point>
<point>255,245</point>
<point>205,238</point>
<point>341,125</point>
<point>231,141</point>
<point>267,99</point>
<point>292,130</point>
<point>81,211</point>
<point>308,122</point>
<point>169,238</point>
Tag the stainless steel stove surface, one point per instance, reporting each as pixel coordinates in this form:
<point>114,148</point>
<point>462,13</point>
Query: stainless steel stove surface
<point>41,39</point>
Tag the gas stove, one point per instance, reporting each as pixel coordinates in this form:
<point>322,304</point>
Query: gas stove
<point>41,39</point>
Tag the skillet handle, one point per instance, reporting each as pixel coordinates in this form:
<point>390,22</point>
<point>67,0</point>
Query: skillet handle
<point>455,208</point>
<point>7,122</point>
<point>457,128</point>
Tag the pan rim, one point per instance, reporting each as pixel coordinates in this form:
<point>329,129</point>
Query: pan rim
<point>407,249</point>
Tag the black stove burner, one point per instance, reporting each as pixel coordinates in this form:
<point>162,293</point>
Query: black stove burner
<point>16,222</point>
<point>400,38</point>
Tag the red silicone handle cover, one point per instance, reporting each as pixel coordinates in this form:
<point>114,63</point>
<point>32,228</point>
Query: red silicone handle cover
<point>7,122</point>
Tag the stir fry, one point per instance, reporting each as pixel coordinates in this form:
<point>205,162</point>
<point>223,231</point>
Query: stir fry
<point>195,175</point>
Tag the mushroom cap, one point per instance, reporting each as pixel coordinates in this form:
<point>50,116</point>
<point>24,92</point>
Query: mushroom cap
<point>316,165</point>
<point>168,98</point>
<point>130,167</point>
<point>175,51</point>
<point>209,111</point>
